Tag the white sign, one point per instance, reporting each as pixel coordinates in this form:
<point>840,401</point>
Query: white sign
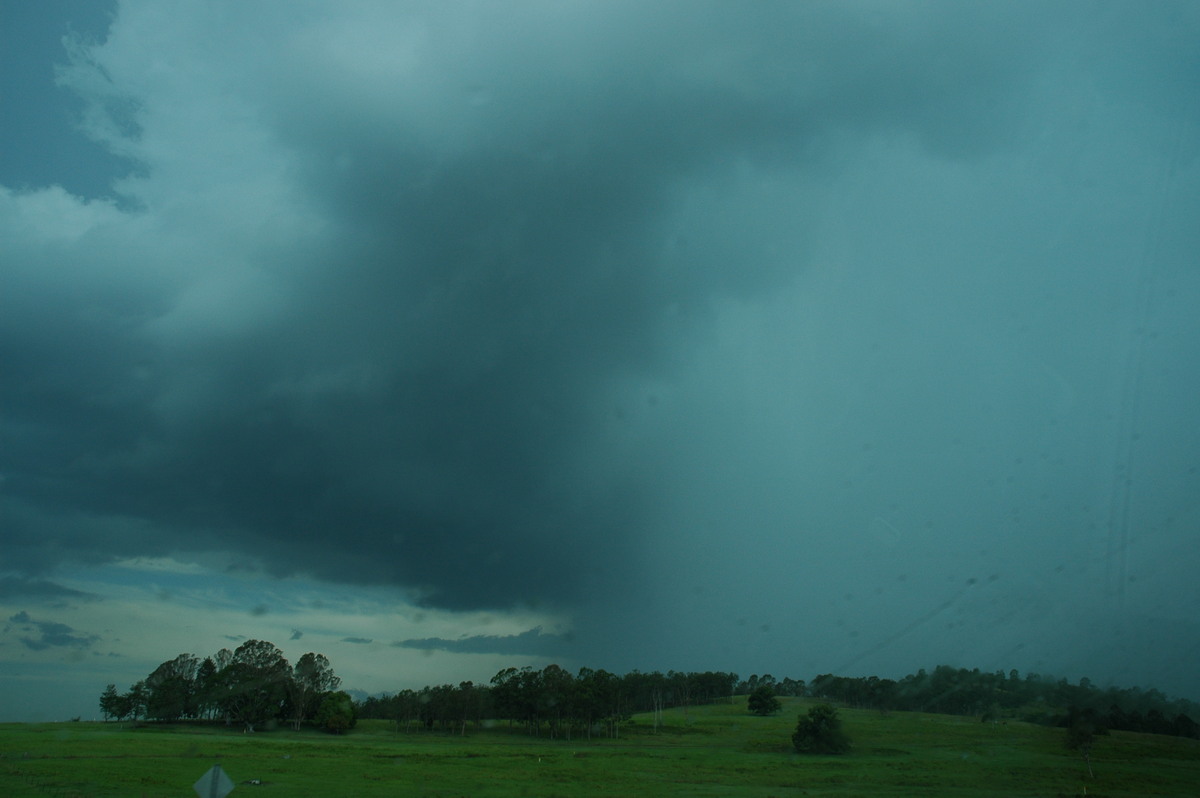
<point>213,784</point>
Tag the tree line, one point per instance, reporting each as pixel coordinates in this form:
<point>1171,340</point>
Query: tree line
<point>251,685</point>
<point>1034,698</point>
<point>255,684</point>
<point>551,701</point>
<point>557,703</point>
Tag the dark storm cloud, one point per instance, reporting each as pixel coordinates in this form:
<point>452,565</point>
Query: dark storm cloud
<point>15,587</point>
<point>533,642</point>
<point>362,641</point>
<point>40,142</point>
<point>41,635</point>
<point>413,394</point>
<point>428,334</point>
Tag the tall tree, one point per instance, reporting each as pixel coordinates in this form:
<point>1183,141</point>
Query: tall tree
<point>311,678</point>
<point>171,689</point>
<point>136,699</point>
<point>255,683</point>
<point>1082,727</point>
<point>206,688</point>
<point>554,698</point>
<point>506,688</point>
<point>110,702</point>
<point>223,659</point>
<point>681,688</point>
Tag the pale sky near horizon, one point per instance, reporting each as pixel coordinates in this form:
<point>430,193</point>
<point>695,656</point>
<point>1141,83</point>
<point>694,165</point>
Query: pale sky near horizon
<point>778,338</point>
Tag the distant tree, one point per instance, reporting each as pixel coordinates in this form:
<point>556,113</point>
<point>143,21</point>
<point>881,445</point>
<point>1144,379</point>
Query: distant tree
<point>530,695</point>
<point>205,696</point>
<point>553,698</point>
<point>592,698</point>
<point>311,678</point>
<point>172,688</point>
<point>470,705</point>
<point>763,701</point>
<point>169,699</point>
<point>136,700</point>
<point>506,688</point>
<point>1082,727</point>
<point>820,732</point>
<point>122,707</point>
<point>110,702</point>
<point>749,685</point>
<point>337,713</point>
<point>223,659</point>
<point>657,684</point>
<point>792,687</point>
<point>681,688</point>
<point>254,685</point>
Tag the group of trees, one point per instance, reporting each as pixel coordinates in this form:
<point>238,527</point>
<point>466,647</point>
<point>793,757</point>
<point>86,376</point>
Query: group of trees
<point>1041,699</point>
<point>555,701</point>
<point>255,684</point>
<point>251,685</point>
<point>787,686</point>
<point>818,732</point>
<point>1082,708</point>
<point>551,700</point>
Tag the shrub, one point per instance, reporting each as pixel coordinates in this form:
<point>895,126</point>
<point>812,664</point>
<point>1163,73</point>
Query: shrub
<point>337,713</point>
<point>820,732</point>
<point>763,701</point>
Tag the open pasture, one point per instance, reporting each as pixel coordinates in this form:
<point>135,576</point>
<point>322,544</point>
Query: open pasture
<point>718,750</point>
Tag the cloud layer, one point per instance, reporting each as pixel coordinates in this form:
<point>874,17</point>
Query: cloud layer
<point>387,271</point>
<point>41,635</point>
<point>600,306</point>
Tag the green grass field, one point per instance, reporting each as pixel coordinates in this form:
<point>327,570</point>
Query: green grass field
<point>712,751</point>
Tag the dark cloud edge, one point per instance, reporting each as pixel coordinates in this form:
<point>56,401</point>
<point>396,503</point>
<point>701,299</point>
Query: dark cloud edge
<point>533,642</point>
<point>49,634</point>
<point>12,587</point>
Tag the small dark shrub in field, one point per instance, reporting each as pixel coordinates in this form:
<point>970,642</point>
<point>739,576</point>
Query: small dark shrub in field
<point>820,732</point>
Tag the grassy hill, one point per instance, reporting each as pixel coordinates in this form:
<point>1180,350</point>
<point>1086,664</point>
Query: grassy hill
<point>716,750</point>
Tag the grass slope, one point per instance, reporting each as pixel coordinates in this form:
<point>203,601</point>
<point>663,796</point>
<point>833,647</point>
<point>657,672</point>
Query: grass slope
<point>709,751</point>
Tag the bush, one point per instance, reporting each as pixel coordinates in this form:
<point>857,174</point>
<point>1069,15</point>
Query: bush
<point>763,701</point>
<point>820,732</point>
<point>337,712</point>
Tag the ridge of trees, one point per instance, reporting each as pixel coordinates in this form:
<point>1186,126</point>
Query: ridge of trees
<point>250,685</point>
<point>1034,698</point>
<point>551,700</point>
<point>554,701</point>
<point>255,684</point>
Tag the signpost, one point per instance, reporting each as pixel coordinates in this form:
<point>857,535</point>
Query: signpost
<point>213,784</point>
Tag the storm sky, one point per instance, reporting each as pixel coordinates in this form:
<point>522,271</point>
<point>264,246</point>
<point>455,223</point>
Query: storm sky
<point>439,337</point>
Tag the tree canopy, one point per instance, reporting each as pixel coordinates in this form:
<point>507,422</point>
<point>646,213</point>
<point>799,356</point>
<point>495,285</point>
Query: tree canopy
<point>763,701</point>
<point>337,712</point>
<point>820,732</point>
<point>552,700</point>
<point>251,685</point>
<point>255,684</point>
